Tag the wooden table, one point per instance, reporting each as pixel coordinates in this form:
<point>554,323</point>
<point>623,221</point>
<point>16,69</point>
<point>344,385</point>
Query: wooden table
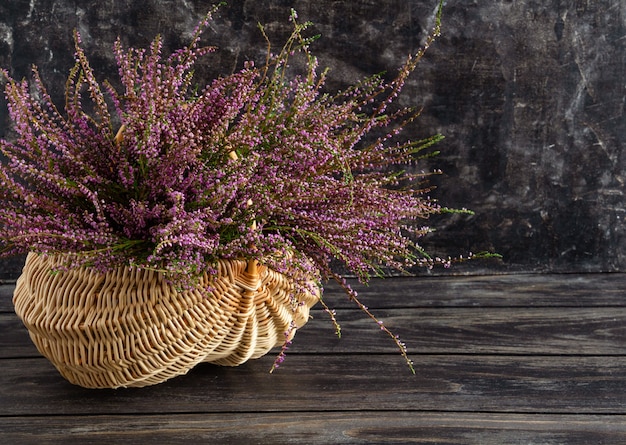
<point>503,359</point>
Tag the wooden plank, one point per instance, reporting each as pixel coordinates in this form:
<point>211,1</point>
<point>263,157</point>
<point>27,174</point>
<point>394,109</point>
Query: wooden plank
<point>14,339</point>
<point>6,296</point>
<point>575,331</point>
<point>557,385</point>
<point>367,427</point>
<point>499,359</point>
<point>515,290</point>
<point>472,331</point>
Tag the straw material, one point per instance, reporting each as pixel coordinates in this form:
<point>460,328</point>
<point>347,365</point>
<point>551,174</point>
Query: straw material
<point>131,328</point>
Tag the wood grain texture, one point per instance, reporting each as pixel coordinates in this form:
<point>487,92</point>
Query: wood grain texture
<point>367,427</point>
<point>503,359</point>
<point>510,290</point>
<point>522,384</point>
<point>543,331</point>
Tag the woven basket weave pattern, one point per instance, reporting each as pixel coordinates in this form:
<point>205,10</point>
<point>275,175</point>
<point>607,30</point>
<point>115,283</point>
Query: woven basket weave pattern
<point>130,327</point>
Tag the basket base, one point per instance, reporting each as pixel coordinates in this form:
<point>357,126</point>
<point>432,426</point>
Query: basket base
<point>130,328</point>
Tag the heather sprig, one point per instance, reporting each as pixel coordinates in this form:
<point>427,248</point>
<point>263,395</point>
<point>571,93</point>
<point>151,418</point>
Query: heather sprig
<point>170,175</point>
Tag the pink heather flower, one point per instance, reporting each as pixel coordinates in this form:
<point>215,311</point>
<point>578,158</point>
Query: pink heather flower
<point>262,163</point>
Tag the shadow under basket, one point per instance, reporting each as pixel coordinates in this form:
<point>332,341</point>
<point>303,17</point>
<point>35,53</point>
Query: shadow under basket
<point>131,328</point>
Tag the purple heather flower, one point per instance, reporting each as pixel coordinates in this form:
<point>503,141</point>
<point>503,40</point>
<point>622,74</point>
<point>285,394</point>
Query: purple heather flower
<point>259,163</point>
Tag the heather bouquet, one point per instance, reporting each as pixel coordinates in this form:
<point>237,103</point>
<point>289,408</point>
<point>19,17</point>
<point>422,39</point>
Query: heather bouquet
<point>166,174</point>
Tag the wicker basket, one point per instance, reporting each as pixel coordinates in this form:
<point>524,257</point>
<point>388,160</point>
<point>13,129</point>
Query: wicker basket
<point>131,328</point>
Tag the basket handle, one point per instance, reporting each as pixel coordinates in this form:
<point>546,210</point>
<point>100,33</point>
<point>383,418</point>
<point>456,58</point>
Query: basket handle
<point>253,264</point>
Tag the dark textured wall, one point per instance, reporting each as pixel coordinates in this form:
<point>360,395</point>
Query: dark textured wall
<point>529,94</point>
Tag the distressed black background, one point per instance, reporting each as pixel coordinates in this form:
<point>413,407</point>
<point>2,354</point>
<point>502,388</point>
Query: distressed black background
<point>529,94</point>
